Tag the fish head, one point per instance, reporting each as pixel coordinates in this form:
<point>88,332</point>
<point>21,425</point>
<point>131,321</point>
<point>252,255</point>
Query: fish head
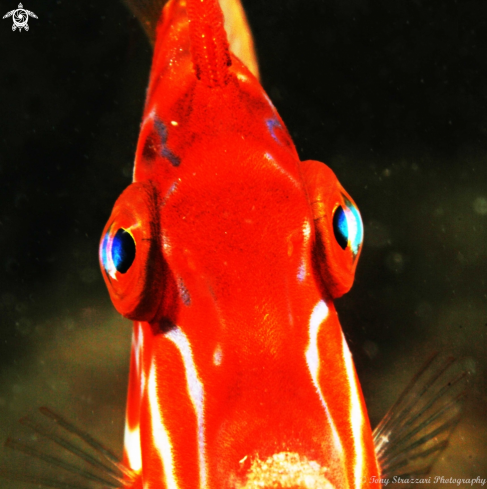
<point>227,251</point>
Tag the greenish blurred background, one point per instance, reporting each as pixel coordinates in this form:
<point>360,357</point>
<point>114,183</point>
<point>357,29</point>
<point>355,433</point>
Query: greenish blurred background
<point>391,94</point>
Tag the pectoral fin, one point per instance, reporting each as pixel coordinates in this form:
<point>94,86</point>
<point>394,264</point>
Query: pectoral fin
<point>69,457</point>
<point>416,429</point>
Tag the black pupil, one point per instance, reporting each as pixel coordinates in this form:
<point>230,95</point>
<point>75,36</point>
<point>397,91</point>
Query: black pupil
<point>123,250</point>
<point>340,227</point>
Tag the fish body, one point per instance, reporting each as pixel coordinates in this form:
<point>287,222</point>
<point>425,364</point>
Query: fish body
<point>238,360</point>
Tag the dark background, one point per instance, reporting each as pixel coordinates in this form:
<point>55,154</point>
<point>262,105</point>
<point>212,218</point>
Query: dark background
<point>391,94</point>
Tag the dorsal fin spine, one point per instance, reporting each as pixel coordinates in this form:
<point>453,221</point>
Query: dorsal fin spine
<point>209,43</point>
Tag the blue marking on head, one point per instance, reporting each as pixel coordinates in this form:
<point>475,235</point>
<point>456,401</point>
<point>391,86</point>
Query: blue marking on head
<point>161,129</point>
<point>165,151</point>
<point>271,125</point>
<point>169,155</point>
<point>184,293</point>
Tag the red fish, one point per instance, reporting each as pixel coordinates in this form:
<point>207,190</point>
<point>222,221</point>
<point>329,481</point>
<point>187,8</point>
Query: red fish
<point>227,251</point>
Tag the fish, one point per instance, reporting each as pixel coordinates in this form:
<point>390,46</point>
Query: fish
<point>227,252</point>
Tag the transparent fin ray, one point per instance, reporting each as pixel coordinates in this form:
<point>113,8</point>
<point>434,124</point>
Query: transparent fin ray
<point>32,452</point>
<point>417,427</point>
<point>40,481</point>
<point>88,439</point>
<point>66,444</point>
<point>59,455</point>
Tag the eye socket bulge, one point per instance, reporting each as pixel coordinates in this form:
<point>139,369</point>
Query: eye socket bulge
<point>129,253</point>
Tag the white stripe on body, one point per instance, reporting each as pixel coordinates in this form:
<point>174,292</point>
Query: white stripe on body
<point>132,447</point>
<point>160,435</point>
<point>356,415</point>
<point>138,345</point>
<point>196,393</point>
<point>132,436</point>
<point>319,314</point>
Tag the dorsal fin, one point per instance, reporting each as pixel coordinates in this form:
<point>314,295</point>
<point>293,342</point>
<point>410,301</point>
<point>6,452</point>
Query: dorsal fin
<point>239,34</point>
<point>209,43</point>
<point>147,13</point>
<point>235,24</point>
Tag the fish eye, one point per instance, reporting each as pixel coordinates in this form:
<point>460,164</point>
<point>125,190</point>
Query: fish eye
<point>340,227</point>
<point>123,250</point>
<point>347,226</point>
<point>130,258</point>
<point>339,231</point>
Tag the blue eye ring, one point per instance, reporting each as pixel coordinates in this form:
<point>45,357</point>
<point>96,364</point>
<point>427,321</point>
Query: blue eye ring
<point>123,250</point>
<point>340,227</point>
<point>356,228</point>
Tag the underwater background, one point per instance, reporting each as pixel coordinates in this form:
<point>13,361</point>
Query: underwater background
<point>392,95</point>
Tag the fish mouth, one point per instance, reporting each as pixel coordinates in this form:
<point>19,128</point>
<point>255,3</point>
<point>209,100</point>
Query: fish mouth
<point>286,470</point>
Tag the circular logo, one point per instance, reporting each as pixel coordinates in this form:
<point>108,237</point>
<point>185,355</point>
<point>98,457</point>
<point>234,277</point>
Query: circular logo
<point>20,17</point>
